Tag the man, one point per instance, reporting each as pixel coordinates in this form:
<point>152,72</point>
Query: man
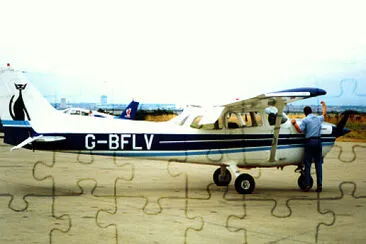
<point>311,126</point>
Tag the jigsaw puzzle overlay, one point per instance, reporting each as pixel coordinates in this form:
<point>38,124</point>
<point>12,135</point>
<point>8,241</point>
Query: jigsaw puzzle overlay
<point>48,197</point>
<point>56,198</point>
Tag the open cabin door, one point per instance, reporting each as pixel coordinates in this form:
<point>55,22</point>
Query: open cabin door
<point>247,133</point>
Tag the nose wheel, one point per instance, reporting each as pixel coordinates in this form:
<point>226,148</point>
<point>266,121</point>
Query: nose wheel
<point>244,184</point>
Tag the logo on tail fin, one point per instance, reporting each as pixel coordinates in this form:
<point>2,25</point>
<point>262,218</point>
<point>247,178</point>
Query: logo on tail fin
<point>128,113</point>
<point>17,109</point>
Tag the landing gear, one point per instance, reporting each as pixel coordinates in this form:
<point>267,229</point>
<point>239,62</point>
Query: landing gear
<point>301,180</point>
<point>222,176</point>
<point>244,184</point>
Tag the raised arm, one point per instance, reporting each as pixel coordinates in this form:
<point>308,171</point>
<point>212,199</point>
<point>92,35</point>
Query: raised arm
<point>324,108</point>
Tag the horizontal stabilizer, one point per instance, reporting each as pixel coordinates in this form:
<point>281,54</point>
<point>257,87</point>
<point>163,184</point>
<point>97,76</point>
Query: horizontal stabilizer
<point>39,138</point>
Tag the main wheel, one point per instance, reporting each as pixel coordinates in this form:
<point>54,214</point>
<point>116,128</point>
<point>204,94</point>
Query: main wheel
<point>301,182</point>
<point>222,180</point>
<point>244,184</point>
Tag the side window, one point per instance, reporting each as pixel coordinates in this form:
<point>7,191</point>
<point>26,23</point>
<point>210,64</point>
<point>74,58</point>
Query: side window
<point>195,123</point>
<point>183,121</point>
<point>240,120</point>
<point>233,120</point>
<point>215,126</point>
<point>252,119</point>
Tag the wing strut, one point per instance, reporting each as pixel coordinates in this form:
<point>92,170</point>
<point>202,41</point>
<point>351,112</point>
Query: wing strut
<point>280,106</point>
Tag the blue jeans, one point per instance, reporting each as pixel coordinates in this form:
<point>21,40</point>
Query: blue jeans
<point>313,151</point>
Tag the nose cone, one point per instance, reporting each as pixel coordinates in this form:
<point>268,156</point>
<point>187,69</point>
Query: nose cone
<point>340,131</point>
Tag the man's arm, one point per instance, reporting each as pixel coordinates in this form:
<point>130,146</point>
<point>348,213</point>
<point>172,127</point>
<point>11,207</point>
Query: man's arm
<point>297,127</point>
<point>324,108</point>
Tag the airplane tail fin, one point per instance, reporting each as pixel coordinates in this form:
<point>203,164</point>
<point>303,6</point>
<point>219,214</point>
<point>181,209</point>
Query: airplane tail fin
<point>21,105</point>
<point>130,111</point>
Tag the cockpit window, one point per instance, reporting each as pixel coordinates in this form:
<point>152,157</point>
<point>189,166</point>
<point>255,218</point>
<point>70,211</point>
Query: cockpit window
<point>240,120</point>
<point>212,126</point>
<point>181,122</point>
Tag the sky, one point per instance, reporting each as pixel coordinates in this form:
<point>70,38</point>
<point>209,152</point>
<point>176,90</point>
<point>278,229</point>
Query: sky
<point>186,52</point>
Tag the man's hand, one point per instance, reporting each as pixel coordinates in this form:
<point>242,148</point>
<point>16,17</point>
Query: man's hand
<point>297,127</point>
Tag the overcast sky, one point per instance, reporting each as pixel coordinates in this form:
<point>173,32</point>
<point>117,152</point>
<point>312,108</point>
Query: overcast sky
<point>187,51</point>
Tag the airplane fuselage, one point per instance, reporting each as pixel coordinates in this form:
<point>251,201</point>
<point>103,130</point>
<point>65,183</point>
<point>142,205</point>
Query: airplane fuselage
<point>247,147</point>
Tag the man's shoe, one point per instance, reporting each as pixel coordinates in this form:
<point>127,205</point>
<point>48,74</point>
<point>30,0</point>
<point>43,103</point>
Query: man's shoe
<point>319,188</point>
<point>306,189</point>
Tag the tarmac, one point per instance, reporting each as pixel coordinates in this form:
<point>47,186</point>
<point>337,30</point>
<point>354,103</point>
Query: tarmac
<point>48,197</point>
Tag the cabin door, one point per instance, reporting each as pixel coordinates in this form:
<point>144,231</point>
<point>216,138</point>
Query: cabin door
<point>247,136</point>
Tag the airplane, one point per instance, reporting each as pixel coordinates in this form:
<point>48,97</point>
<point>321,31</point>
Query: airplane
<point>128,113</point>
<point>244,134</point>
<point>86,112</point>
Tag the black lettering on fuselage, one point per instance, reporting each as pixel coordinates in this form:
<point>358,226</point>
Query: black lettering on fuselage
<point>120,141</point>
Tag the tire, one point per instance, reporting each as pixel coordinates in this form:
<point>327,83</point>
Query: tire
<point>244,184</point>
<point>222,181</point>
<point>301,182</point>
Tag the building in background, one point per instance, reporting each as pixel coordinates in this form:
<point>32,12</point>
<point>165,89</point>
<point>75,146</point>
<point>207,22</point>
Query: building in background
<point>103,100</point>
<point>63,103</point>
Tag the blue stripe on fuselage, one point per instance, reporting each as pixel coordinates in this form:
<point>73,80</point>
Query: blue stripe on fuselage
<point>154,144</point>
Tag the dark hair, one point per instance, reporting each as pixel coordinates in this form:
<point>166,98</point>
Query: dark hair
<point>307,110</point>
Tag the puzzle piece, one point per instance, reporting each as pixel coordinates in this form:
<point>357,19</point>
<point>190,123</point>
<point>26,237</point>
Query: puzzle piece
<point>347,160</point>
<point>351,87</point>
<point>262,226</point>
<point>38,223</point>
<point>16,177</point>
<point>83,210</point>
<point>162,183</point>
<point>66,173</point>
<point>348,151</point>
<point>350,215</point>
<point>132,224</point>
<point>215,211</point>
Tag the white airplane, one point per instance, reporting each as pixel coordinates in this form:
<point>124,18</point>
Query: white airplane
<point>128,113</point>
<point>86,112</point>
<point>240,135</point>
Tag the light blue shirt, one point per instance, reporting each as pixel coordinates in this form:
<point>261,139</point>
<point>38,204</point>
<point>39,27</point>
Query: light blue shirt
<point>312,125</point>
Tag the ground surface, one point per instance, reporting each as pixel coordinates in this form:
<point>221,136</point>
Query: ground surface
<point>66,198</point>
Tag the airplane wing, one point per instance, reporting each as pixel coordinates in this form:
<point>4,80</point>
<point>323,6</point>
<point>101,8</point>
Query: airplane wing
<point>279,100</point>
<point>276,98</point>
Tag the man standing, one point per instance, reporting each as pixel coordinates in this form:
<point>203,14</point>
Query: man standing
<point>311,126</point>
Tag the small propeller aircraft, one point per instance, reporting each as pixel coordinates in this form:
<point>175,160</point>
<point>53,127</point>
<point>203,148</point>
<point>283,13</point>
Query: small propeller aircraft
<point>128,113</point>
<point>244,134</point>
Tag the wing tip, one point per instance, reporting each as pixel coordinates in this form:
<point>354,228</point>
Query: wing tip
<point>313,92</point>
